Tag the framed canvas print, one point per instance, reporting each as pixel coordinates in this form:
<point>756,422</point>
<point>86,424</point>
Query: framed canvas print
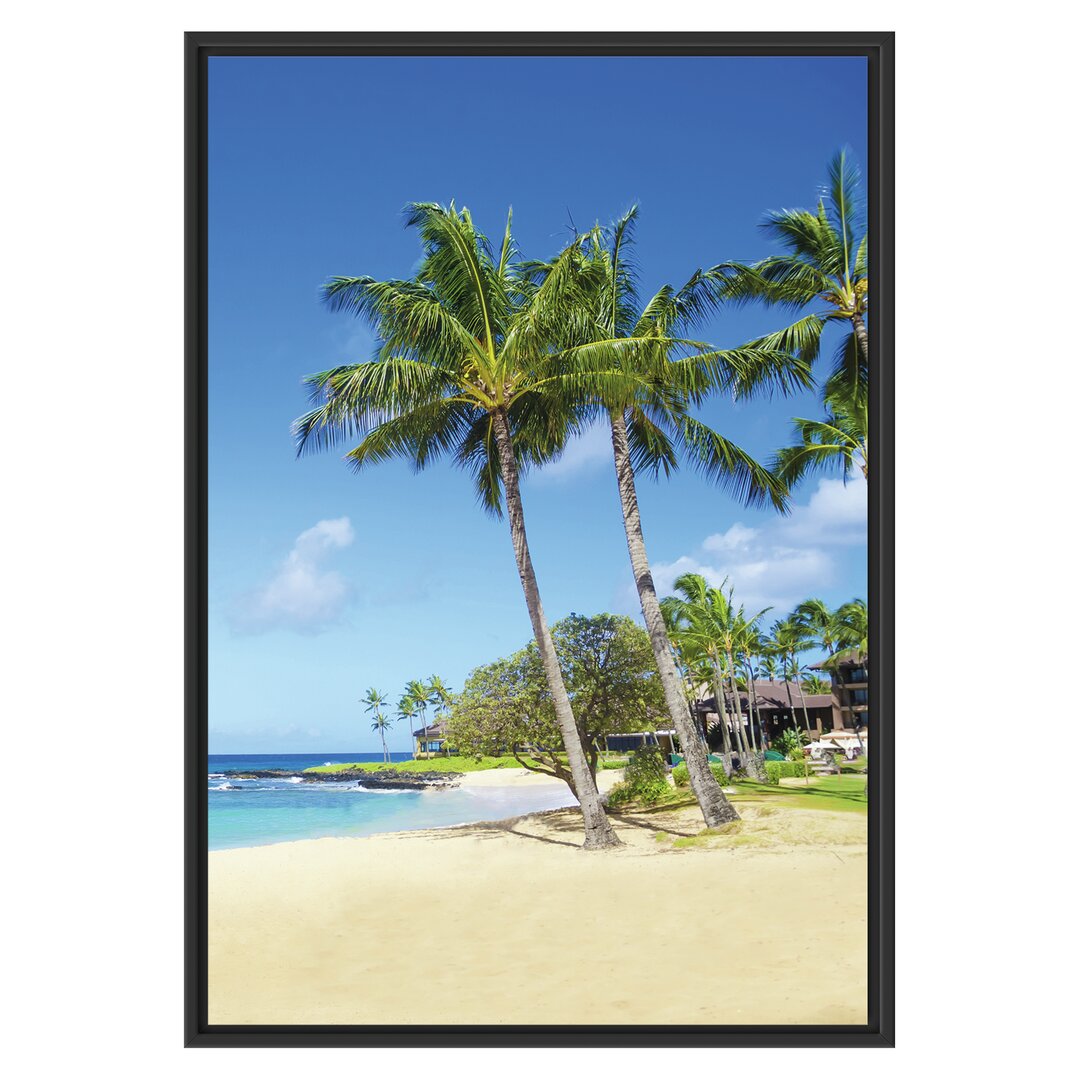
<point>540,671</point>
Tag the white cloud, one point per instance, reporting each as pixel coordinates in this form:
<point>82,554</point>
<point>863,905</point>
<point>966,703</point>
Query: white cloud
<point>737,538</point>
<point>584,453</point>
<point>302,595</point>
<point>835,514</point>
<point>781,562</point>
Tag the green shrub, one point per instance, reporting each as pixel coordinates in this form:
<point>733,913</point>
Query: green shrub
<point>791,743</point>
<point>778,770</point>
<point>611,763</point>
<point>646,779</point>
<point>681,774</point>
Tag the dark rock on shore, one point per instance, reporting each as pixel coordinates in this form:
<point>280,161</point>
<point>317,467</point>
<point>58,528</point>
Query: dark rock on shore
<point>388,779</point>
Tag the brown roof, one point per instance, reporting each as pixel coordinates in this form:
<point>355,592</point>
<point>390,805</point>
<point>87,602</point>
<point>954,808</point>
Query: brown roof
<point>432,731</point>
<point>847,658</point>
<point>772,695</point>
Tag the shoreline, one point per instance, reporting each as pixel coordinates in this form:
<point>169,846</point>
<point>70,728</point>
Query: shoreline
<point>509,779</point>
<point>485,923</point>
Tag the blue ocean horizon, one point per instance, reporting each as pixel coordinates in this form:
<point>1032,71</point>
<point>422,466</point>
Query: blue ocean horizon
<point>250,813</point>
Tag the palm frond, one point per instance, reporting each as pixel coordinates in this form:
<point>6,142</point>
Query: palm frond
<point>731,468</point>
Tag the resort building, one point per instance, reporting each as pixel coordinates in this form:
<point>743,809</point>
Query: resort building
<point>634,740</point>
<point>850,693</point>
<point>430,740</point>
<point>779,705</point>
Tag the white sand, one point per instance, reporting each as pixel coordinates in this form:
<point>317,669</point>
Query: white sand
<point>511,922</point>
<point>605,779</point>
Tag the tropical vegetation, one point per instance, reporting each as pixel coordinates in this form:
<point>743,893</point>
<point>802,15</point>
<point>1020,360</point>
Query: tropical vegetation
<point>495,363</point>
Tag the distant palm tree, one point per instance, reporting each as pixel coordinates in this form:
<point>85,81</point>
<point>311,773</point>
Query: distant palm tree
<point>441,698</point>
<point>855,633</point>
<point>706,621</point>
<point>789,638</point>
<point>825,261</point>
<point>843,629</point>
<point>374,701</point>
<point>419,694</point>
<point>815,684</point>
<point>465,369</point>
<point>406,711</point>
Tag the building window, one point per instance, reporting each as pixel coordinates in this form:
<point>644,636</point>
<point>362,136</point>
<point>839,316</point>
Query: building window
<point>857,675</point>
<point>860,697</point>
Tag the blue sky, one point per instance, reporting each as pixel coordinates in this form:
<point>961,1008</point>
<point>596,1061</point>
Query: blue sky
<point>322,582</point>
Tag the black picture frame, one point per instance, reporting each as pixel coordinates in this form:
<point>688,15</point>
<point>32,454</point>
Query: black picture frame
<point>878,48</point>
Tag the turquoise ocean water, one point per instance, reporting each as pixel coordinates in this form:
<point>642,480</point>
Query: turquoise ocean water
<point>245,813</point>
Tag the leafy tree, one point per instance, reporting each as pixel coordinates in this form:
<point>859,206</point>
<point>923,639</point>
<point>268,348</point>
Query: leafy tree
<point>612,680</point>
<point>465,369</point>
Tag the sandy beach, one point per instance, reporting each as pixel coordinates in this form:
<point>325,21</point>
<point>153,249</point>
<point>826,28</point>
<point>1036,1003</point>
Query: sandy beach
<point>510,922</point>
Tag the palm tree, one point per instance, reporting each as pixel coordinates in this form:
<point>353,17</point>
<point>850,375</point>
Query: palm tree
<point>789,638</point>
<point>441,697</point>
<point>418,693</point>
<point>768,660</point>
<point>705,621</point>
<point>406,711</point>
<point>840,631</point>
<point>465,370</point>
<point>650,423</point>
<point>374,701</point>
<point>842,438</point>
<point>815,684</point>
<point>854,631</point>
<point>825,262</point>
<point>754,645</point>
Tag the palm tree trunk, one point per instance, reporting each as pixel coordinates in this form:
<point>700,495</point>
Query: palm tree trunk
<point>861,337</point>
<point>802,695</point>
<point>598,830</point>
<point>721,712</point>
<point>791,704</point>
<point>715,807</point>
<point>751,698</point>
<point>744,747</point>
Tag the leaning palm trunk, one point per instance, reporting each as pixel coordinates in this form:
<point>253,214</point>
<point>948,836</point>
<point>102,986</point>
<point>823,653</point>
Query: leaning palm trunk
<point>714,805</point>
<point>598,830</point>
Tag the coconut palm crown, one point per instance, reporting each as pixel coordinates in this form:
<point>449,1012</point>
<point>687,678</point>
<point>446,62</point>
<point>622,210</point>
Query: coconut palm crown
<point>825,264</point>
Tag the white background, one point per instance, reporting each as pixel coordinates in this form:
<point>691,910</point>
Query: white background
<point>92,615</point>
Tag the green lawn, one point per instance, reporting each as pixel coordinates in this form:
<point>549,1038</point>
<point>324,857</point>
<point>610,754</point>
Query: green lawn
<point>821,793</point>
<point>442,764</point>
